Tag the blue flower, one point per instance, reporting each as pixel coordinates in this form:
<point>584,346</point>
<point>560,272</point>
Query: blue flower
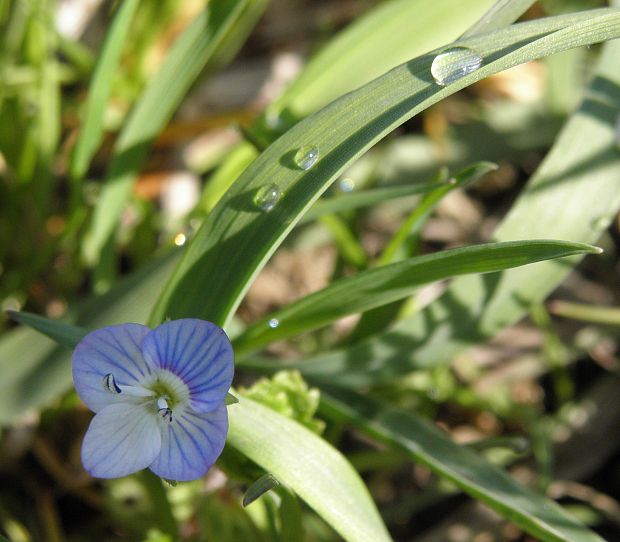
<point>159,398</point>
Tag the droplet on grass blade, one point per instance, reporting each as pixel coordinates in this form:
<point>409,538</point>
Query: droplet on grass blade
<point>267,197</point>
<point>274,323</point>
<point>452,64</point>
<point>306,157</point>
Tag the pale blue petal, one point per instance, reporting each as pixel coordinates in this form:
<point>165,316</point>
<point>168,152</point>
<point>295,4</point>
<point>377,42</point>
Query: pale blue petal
<point>113,349</point>
<point>191,443</point>
<point>121,439</point>
<point>199,353</point>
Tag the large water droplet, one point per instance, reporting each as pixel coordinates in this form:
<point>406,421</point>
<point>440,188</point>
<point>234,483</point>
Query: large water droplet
<point>452,64</point>
<point>346,185</point>
<point>306,157</point>
<point>274,323</point>
<point>267,196</point>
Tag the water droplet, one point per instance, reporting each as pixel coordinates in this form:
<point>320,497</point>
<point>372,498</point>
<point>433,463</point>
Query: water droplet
<point>452,64</point>
<point>274,323</point>
<point>267,197</point>
<point>179,239</point>
<point>306,157</point>
<point>346,185</point>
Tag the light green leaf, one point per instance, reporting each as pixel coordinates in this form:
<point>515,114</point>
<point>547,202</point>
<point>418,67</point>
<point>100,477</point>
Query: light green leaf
<point>308,465</point>
<point>209,41</point>
<point>237,238</point>
<point>91,131</point>
<point>382,285</point>
<point>427,444</point>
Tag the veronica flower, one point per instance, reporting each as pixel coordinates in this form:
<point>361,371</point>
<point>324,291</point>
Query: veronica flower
<point>159,398</point>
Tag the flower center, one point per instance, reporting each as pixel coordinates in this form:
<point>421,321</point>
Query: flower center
<point>165,390</point>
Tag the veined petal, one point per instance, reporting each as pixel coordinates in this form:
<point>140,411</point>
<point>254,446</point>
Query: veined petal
<point>199,353</point>
<point>191,443</point>
<point>121,439</point>
<point>111,350</point>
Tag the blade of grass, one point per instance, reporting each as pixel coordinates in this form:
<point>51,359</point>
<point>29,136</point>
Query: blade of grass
<point>365,198</point>
<point>64,334</point>
<point>395,249</point>
<point>91,130</point>
<point>385,284</point>
<point>308,465</point>
<point>573,195</point>
<point>375,43</point>
<point>426,444</point>
<point>609,316</point>
<point>502,13</point>
<point>237,238</point>
<point>211,40</point>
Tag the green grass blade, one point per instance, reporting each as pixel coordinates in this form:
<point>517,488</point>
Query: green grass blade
<point>209,41</point>
<point>237,238</point>
<point>414,222</point>
<point>92,128</point>
<point>502,13</point>
<point>540,517</point>
<point>594,314</point>
<point>308,465</point>
<point>375,43</point>
<point>365,198</point>
<point>573,195</point>
<point>383,285</point>
<point>64,334</point>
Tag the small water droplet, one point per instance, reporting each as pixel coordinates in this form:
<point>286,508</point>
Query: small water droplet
<point>267,197</point>
<point>346,185</point>
<point>452,64</point>
<point>180,239</point>
<point>274,323</point>
<point>306,157</point>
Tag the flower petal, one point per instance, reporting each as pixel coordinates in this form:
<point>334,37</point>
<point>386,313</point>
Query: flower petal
<point>115,350</point>
<point>199,353</point>
<point>121,439</point>
<point>191,443</point>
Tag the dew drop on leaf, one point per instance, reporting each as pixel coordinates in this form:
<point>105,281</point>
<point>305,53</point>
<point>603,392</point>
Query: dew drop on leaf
<point>306,157</point>
<point>267,196</point>
<point>346,185</point>
<point>274,323</point>
<point>452,64</point>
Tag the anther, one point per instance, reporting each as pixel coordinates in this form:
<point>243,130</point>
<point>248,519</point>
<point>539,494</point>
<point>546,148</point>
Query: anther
<point>164,410</point>
<point>109,384</point>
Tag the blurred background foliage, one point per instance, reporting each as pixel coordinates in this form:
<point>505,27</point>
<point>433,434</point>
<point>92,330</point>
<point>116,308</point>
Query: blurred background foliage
<point>540,398</point>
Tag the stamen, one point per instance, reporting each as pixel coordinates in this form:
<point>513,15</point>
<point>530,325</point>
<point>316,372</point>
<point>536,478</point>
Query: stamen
<point>109,384</point>
<point>164,410</point>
